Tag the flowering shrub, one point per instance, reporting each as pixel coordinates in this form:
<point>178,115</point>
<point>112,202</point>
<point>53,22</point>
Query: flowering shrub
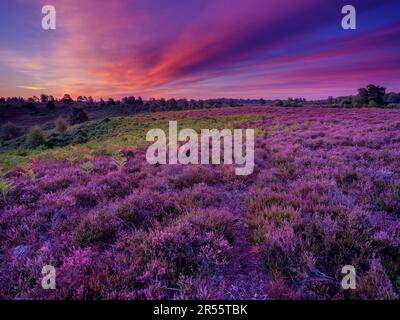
<point>325,193</point>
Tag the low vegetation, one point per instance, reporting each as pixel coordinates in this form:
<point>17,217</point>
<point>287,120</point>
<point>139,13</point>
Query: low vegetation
<point>324,194</point>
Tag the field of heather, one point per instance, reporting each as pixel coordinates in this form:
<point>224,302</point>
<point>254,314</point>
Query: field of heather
<point>325,193</point>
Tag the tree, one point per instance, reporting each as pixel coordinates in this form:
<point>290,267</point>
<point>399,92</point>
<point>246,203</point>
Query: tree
<point>44,98</point>
<point>50,104</point>
<point>232,103</point>
<point>392,97</point>
<point>362,98</point>
<point>67,99</point>
<point>172,104</point>
<point>372,95</point>
<point>346,102</point>
<point>376,93</point>
<point>129,100</point>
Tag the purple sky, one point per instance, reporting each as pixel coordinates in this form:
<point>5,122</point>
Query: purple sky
<point>198,48</point>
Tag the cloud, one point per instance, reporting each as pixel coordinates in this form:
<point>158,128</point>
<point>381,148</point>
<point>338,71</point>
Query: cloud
<point>31,88</point>
<point>204,48</point>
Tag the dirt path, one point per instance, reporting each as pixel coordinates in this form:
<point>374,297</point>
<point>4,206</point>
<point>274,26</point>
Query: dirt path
<point>245,275</point>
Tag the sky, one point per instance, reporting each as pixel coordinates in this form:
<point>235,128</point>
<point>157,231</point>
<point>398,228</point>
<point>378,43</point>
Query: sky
<point>270,49</point>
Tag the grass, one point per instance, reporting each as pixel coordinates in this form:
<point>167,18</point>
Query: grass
<point>109,137</point>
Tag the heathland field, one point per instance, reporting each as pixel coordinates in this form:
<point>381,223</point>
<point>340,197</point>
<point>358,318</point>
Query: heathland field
<point>325,193</point>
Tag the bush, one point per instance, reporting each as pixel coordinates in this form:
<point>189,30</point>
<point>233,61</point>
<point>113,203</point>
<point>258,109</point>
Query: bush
<point>61,124</point>
<point>346,102</point>
<point>35,137</point>
<point>84,198</point>
<point>95,228</point>
<point>10,131</point>
<point>393,106</point>
<point>373,104</point>
<point>77,116</point>
<point>143,209</point>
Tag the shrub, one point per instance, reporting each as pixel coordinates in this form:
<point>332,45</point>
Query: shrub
<point>78,115</point>
<point>346,102</point>
<point>193,175</point>
<point>99,227</point>
<point>85,198</point>
<point>393,106</point>
<point>10,131</point>
<point>35,137</point>
<point>61,124</point>
<point>143,209</point>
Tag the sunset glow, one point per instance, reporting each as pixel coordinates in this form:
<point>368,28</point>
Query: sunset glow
<point>198,49</point>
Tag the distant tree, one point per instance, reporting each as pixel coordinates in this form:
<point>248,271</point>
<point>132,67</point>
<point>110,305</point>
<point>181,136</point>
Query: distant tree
<point>102,102</point>
<point>363,96</point>
<point>67,99</point>
<point>346,102</point>
<point>262,102</point>
<point>392,97</point>
<point>376,93</point>
<point>51,105</point>
<point>139,101</point>
<point>278,103</point>
<point>373,104</point>
<point>90,100</point>
<point>44,98</point>
<point>183,102</point>
<point>80,99</point>
<point>372,96</point>
<point>2,100</point>
<point>129,100</point>
<point>172,104</point>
